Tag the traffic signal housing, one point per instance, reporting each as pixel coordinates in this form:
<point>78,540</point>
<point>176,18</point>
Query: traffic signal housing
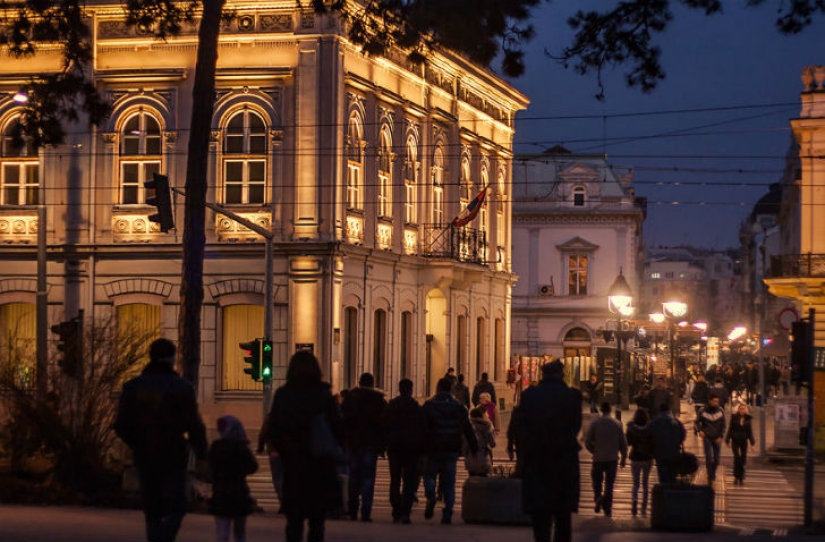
<point>266,361</point>
<point>162,200</point>
<point>800,350</point>
<point>69,343</point>
<point>252,358</point>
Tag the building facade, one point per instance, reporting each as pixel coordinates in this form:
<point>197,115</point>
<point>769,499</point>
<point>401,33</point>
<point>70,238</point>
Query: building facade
<point>576,226</point>
<point>356,164</point>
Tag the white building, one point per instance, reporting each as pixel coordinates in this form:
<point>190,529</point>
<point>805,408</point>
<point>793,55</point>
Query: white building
<point>357,165</point>
<point>576,226</point>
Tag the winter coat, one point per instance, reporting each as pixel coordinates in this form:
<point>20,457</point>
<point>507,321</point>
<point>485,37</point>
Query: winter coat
<point>308,481</point>
<point>711,421</point>
<point>230,461</point>
<point>462,394</point>
<point>740,430</point>
<point>158,418</point>
<point>480,462</point>
<point>720,391</point>
<point>640,441</point>
<point>659,397</point>
<point>668,434</point>
<point>447,421</point>
<point>484,386</point>
<point>362,410</point>
<point>701,393</point>
<point>605,439</point>
<point>405,427</point>
<point>545,427</point>
<point>593,391</point>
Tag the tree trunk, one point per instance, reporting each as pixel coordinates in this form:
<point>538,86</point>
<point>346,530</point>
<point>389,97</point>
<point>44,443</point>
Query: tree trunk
<point>194,236</point>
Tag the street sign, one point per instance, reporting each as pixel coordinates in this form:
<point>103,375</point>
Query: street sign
<point>787,317</point>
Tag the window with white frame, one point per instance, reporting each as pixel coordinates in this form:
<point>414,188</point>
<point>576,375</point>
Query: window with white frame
<point>244,158</point>
<point>20,171</point>
<point>140,156</point>
<point>411,183</point>
<point>466,183</point>
<point>438,187</point>
<point>577,263</point>
<point>354,165</point>
<point>385,174</point>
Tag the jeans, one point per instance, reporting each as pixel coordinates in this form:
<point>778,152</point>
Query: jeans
<point>442,465</point>
<point>223,524</point>
<point>560,522</point>
<point>740,455</point>
<point>295,526</point>
<point>403,467</point>
<point>640,471</point>
<point>164,502</point>
<point>604,472</point>
<point>712,452</point>
<point>362,465</point>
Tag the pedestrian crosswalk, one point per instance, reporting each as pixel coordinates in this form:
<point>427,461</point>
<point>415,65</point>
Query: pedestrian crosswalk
<point>765,503</point>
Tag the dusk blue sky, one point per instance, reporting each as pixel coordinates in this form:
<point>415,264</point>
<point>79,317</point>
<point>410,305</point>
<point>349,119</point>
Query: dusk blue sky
<point>716,163</point>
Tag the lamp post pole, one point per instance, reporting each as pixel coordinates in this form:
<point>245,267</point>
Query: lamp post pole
<point>619,370</point>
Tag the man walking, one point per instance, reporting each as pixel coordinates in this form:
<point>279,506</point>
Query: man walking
<point>711,426</point>
<point>406,433</point>
<point>605,439</point>
<point>668,435</point>
<point>158,419</point>
<point>461,392</point>
<point>447,421</point>
<point>544,429</point>
<point>362,410</point>
<point>484,386</point>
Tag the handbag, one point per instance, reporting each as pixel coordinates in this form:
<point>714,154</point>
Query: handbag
<point>687,464</point>
<point>322,442</point>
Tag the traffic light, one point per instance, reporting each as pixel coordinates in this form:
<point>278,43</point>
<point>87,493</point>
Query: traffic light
<point>266,361</point>
<point>800,350</point>
<point>162,199</point>
<point>69,343</point>
<point>253,358</point>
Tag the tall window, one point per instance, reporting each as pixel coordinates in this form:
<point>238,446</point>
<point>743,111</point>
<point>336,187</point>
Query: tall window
<point>438,187</point>
<point>350,351</point>
<point>20,175</point>
<point>244,163</point>
<point>140,156</point>
<point>17,342</point>
<point>460,345</point>
<point>138,323</point>
<point>406,344</point>
<point>236,323</point>
<point>498,350</point>
<point>578,196</point>
<point>481,345</point>
<point>379,346</point>
<point>466,182</point>
<point>385,174</point>
<point>411,183</point>
<point>577,274</point>
<point>354,165</point>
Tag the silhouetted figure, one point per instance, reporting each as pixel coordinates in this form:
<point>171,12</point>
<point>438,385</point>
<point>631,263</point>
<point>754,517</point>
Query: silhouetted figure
<point>158,419</point>
<point>461,392</point>
<point>484,386</point>
<point>308,480</point>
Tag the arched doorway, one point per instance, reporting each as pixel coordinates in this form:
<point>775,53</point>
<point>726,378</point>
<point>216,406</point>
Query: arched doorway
<point>436,330</point>
<point>577,353</point>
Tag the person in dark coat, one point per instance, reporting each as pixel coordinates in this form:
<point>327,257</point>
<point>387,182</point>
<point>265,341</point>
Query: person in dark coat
<point>447,421</point>
<point>593,393</point>
<point>740,433</point>
<point>668,434</point>
<point>462,392</point>
<point>644,401</point>
<point>659,395</point>
<point>405,429</point>
<point>711,426</point>
<point>230,461</point>
<point>545,428</point>
<point>484,386</point>
<point>700,393</point>
<point>641,458</point>
<point>308,480</point>
<point>158,419</point>
<point>362,409</point>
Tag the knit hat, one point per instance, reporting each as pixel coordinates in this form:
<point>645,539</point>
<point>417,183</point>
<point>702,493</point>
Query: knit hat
<point>231,428</point>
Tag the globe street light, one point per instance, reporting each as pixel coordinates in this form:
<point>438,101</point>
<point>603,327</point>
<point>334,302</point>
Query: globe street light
<point>619,302</point>
<point>673,310</point>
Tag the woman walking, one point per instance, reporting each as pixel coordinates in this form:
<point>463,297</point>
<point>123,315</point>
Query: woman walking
<point>299,406</point>
<point>740,432</point>
<point>641,457</point>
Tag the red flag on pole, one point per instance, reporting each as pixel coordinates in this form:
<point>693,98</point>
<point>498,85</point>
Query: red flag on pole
<point>469,213</point>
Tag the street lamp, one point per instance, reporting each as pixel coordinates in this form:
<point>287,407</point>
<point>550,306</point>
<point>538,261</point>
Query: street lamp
<point>671,311</point>
<point>619,302</point>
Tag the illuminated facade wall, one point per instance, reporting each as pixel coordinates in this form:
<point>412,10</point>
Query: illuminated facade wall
<point>356,164</point>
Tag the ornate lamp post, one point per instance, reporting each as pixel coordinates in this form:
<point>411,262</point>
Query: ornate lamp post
<point>619,300</point>
<point>673,310</point>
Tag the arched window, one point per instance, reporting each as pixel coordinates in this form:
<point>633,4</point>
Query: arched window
<point>578,196</point>
<point>20,173</point>
<point>466,182</point>
<point>385,173</point>
<point>245,154</point>
<point>438,187</point>
<point>354,165</point>
<point>140,156</point>
<point>411,183</point>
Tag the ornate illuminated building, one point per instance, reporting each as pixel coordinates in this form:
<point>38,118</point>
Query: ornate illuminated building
<point>356,164</point>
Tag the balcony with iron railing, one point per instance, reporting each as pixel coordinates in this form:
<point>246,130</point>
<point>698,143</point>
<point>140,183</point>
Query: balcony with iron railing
<point>798,265</point>
<point>464,244</point>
